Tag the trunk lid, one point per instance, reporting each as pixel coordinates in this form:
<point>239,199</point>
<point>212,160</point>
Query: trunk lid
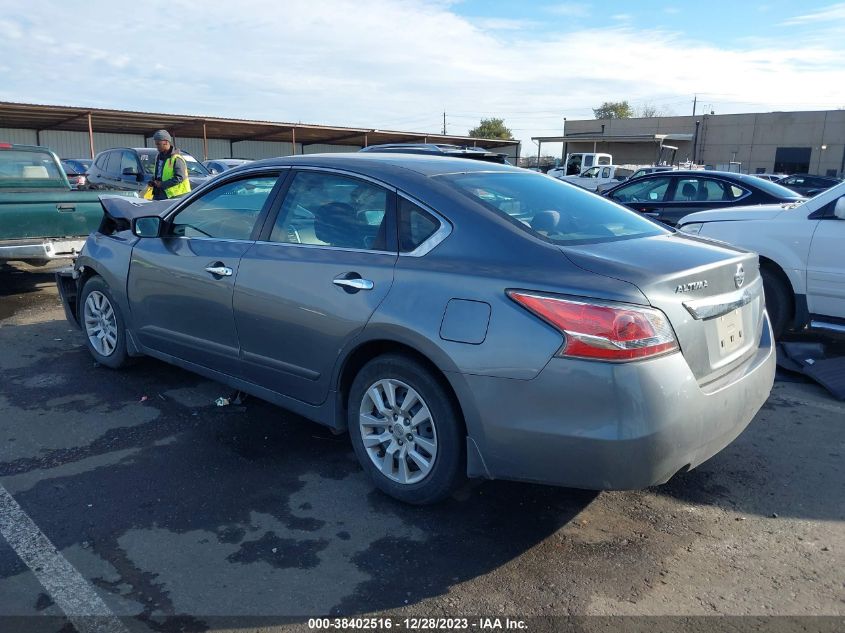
<point>712,293</point>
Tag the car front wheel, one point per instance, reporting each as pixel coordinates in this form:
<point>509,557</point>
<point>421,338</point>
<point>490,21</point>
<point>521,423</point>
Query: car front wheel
<point>405,430</point>
<point>102,323</point>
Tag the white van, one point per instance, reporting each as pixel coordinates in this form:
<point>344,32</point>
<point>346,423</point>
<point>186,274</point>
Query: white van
<point>577,163</point>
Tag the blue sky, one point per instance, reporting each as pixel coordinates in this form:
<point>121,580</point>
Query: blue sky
<point>399,64</point>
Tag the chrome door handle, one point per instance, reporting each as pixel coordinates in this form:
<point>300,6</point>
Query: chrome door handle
<point>223,271</point>
<point>355,284</point>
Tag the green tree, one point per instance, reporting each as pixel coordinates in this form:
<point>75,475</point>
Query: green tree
<point>613,110</point>
<point>491,128</point>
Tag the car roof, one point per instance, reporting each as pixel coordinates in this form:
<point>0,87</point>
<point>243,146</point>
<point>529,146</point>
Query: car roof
<point>376,162</point>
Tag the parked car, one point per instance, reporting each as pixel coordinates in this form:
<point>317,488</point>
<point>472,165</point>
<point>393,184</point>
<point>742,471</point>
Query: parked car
<point>219,165</point>
<point>800,247</point>
<point>439,149</point>
<point>43,218</point>
<point>591,179</point>
<point>771,177</point>
<point>642,171</point>
<point>130,169</point>
<point>808,185</point>
<point>669,196</point>
<point>456,317</point>
<point>75,170</point>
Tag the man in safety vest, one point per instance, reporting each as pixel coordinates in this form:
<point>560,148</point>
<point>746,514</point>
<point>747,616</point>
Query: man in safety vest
<point>171,172</point>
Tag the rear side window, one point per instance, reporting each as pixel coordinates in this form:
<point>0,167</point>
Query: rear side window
<point>551,209</point>
<point>415,226</point>
<point>102,160</point>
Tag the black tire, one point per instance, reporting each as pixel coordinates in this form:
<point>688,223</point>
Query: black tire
<point>780,303</point>
<point>447,468</point>
<point>117,357</point>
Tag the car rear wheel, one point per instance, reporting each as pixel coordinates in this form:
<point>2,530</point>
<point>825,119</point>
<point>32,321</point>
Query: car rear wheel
<point>405,430</point>
<point>102,323</point>
<point>779,301</point>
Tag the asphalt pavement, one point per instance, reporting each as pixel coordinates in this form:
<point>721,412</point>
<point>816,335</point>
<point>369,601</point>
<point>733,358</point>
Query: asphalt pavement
<point>130,501</point>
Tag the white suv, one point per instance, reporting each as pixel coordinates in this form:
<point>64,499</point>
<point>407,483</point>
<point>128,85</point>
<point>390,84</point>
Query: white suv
<point>802,255</point>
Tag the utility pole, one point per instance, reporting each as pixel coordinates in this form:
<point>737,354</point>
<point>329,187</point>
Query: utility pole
<point>444,124</point>
<point>563,145</point>
<point>694,100</point>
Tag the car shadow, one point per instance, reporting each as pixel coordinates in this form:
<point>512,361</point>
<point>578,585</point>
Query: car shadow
<point>787,463</point>
<point>176,503</point>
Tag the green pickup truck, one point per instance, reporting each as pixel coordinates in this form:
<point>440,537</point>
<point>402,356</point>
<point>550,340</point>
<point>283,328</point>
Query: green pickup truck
<point>41,217</point>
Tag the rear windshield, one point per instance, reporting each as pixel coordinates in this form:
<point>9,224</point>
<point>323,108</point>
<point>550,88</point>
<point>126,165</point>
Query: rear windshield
<point>21,168</point>
<point>553,210</point>
<point>774,189</point>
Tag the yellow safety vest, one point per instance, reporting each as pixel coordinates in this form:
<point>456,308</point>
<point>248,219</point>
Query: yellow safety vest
<point>180,188</point>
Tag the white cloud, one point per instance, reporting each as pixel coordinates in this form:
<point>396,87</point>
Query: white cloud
<point>390,64</point>
<point>570,9</point>
<point>621,17</point>
<point>501,24</point>
<point>672,10</point>
<point>833,13</point>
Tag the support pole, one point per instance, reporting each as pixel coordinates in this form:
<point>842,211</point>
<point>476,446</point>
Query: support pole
<point>539,146</point>
<point>91,135</point>
<point>204,142</point>
<point>366,140</point>
<point>293,140</point>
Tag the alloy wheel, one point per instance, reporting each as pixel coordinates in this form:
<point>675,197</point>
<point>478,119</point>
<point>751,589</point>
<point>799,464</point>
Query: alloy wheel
<point>398,431</point>
<point>100,323</point>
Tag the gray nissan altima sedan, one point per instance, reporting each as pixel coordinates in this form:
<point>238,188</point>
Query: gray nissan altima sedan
<point>457,318</point>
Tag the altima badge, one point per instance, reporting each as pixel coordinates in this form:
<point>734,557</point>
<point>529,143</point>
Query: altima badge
<point>693,285</point>
<point>739,277</point>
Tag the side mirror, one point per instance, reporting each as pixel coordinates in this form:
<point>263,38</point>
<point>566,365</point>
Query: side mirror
<point>149,226</point>
<point>213,171</point>
<point>839,208</point>
<point>130,171</point>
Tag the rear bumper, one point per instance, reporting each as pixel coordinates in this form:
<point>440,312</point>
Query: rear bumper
<point>69,293</point>
<point>602,426</point>
<point>41,250</point>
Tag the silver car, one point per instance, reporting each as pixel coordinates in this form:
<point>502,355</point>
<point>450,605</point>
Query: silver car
<point>457,318</point>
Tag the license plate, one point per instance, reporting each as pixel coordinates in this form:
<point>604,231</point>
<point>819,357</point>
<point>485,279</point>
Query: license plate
<point>729,327</point>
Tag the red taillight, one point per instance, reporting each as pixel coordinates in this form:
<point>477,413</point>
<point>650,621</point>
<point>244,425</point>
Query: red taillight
<point>5,146</point>
<point>602,330</point>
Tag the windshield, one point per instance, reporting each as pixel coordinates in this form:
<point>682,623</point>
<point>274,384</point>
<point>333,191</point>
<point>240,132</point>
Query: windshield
<point>553,210</point>
<point>148,161</point>
<point>76,165</point>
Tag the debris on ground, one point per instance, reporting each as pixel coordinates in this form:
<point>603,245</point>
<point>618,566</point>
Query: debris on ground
<point>815,361</point>
<point>236,397</point>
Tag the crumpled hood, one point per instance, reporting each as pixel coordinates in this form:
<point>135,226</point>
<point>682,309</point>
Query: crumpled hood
<point>751,212</point>
<point>122,208</point>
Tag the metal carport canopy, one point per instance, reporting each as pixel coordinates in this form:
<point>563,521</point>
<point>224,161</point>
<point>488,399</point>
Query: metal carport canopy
<point>76,119</point>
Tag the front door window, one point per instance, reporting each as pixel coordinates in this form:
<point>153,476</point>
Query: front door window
<point>228,212</point>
